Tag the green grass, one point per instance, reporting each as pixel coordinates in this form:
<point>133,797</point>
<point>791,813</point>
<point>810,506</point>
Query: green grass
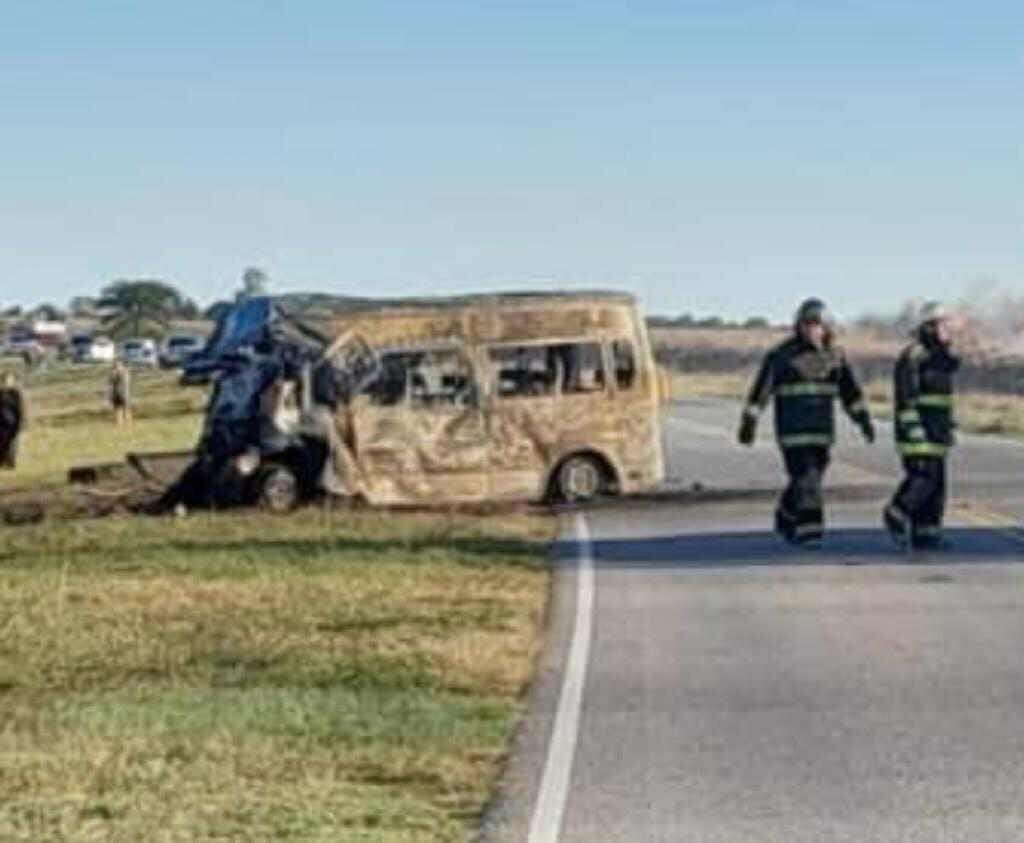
<point>257,678</point>
<point>70,422</point>
<point>235,676</point>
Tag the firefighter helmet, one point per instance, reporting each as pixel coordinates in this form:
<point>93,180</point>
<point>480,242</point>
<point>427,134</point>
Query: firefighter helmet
<point>932,312</point>
<point>813,310</point>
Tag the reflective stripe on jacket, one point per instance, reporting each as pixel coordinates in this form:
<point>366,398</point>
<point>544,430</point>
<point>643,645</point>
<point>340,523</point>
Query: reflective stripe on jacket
<point>923,396</point>
<point>804,382</point>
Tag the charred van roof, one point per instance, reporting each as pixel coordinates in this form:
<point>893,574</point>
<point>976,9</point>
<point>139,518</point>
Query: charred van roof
<point>299,303</point>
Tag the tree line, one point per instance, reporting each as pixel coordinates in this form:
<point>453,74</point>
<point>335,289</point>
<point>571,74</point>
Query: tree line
<point>688,320</point>
<point>140,307</point>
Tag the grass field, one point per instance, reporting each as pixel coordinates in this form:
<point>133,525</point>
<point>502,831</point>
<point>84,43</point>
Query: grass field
<point>322,676</point>
<point>70,423</point>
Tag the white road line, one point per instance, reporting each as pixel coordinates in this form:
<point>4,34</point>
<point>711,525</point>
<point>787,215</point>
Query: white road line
<point>548,813</point>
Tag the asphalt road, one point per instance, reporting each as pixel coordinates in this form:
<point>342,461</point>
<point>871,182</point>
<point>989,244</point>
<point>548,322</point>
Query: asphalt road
<point>700,437</point>
<point>705,683</point>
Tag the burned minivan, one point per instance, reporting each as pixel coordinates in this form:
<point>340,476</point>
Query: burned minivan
<point>429,401</point>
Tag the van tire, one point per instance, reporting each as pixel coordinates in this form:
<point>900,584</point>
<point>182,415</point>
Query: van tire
<point>277,488</point>
<point>579,479</point>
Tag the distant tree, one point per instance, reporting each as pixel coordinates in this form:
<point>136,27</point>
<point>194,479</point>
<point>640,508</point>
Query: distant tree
<point>217,311</point>
<point>711,322</point>
<point>660,321</point>
<point>255,282</point>
<point>189,310</point>
<point>82,306</point>
<point>688,320</point>
<point>48,313</point>
<point>138,307</point>
<point>12,312</point>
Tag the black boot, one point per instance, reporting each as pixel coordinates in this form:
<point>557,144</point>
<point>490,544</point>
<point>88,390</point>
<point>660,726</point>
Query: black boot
<point>929,538</point>
<point>898,525</point>
<point>784,526</point>
<point>808,536</point>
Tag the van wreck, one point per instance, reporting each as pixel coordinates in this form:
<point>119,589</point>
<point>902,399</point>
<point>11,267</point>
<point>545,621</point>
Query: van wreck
<point>428,401</point>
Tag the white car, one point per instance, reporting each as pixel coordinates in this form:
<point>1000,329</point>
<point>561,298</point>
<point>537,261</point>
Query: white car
<point>99,350</point>
<point>139,352</point>
<point>178,348</point>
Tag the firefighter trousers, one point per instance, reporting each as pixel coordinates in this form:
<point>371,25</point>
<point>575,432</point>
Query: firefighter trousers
<point>8,450</point>
<point>920,501</point>
<point>800,514</point>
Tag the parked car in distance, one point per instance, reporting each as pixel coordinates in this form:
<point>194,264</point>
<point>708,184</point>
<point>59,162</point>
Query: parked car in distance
<point>178,348</point>
<point>78,347</point>
<point>38,336</point>
<point>20,345</point>
<point>98,350</point>
<point>139,352</point>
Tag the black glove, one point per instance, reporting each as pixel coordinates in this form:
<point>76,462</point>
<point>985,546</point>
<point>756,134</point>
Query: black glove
<point>868,428</point>
<point>748,430</point>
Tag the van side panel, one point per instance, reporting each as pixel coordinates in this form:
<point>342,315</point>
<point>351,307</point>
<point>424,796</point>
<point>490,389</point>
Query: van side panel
<point>405,456</point>
<point>507,447</point>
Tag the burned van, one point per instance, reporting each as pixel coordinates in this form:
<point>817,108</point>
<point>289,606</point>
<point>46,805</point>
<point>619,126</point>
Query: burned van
<point>431,401</point>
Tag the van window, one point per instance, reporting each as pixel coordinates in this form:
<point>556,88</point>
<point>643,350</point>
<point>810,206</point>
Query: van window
<point>624,360</point>
<point>584,367</point>
<point>422,379</point>
<point>540,370</point>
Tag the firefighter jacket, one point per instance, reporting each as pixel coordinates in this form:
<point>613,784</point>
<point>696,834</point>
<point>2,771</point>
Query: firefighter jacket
<point>923,396</point>
<point>12,417</point>
<point>805,381</point>
<point>12,412</point>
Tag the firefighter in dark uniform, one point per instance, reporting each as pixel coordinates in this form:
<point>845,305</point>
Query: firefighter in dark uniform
<point>805,374</point>
<point>923,398</point>
<point>12,419</point>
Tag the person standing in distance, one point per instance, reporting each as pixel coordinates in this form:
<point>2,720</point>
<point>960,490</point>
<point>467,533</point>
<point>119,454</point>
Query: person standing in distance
<point>804,375</point>
<point>12,420</point>
<point>121,394</point>
<point>925,426</point>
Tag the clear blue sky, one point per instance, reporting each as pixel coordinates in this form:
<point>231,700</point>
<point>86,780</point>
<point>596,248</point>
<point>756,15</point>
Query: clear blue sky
<point>720,156</point>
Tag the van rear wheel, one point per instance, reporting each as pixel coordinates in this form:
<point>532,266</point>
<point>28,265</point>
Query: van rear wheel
<point>580,478</point>
<point>277,489</point>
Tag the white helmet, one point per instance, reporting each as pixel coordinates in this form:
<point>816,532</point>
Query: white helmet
<point>933,311</point>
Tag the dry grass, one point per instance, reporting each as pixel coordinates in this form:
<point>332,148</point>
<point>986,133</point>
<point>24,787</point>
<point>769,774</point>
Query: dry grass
<point>70,422</point>
<point>991,414</point>
<point>755,340</point>
<point>325,676</point>
<point>700,385</point>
